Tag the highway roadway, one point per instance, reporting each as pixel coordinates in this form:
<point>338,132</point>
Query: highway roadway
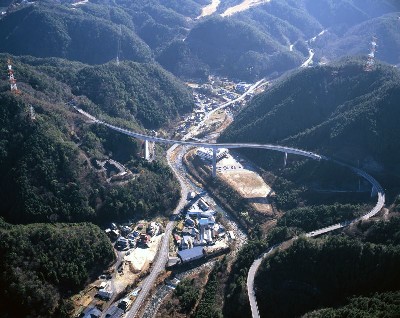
<point>162,256</point>
<point>284,149</point>
<point>256,264</point>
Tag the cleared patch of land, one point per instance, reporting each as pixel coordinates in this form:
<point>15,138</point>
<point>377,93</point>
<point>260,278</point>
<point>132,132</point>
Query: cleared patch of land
<point>139,257</point>
<point>244,179</point>
<point>209,9</point>
<point>246,4</point>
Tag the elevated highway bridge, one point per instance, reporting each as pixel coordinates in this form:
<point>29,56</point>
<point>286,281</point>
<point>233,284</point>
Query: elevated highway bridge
<point>376,189</point>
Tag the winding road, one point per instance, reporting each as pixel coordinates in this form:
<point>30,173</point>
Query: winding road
<point>162,258</point>
<point>256,264</point>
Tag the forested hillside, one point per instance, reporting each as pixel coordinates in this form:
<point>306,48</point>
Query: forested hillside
<point>47,162</point>
<point>325,272</point>
<point>97,31</point>
<point>357,40</point>
<point>266,40</point>
<point>54,30</point>
<point>41,265</point>
<point>338,110</point>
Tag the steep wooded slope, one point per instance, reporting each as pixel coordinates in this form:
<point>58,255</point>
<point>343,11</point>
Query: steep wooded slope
<point>339,110</point>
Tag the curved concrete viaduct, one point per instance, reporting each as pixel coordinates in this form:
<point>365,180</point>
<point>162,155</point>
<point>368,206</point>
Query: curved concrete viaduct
<point>256,264</point>
<point>214,146</point>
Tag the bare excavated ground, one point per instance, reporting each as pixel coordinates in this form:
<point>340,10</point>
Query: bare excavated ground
<point>244,179</point>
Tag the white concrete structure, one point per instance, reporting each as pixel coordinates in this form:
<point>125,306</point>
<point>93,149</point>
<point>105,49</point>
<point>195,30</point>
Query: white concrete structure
<point>207,153</point>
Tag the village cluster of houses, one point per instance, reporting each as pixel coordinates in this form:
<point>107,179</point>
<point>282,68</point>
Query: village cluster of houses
<point>209,96</point>
<point>126,237</point>
<point>200,229</point>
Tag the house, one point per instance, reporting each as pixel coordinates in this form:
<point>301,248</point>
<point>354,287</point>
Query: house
<point>122,243</point>
<point>206,214</point>
<point>105,293</point>
<point>207,153</point>
<point>153,229</point>
<point>191,254</point>
<point>125,303</point>
<point>186,242</point>
<point>114,312</point>
<point>218,230</point>
<point>143,239</point>
<point>211,221</point>
<point>190,231</point>
<point>203,205</point>
<point>140,226</point>
<point>103,285</point>
<point>113,234</point>
<point>203,222</point>
<point>191,195</point>
<point>125,230</point>
<point>90,312</point>
<point>189,222</point>
<point>207,236</point>
<point>177,239</point>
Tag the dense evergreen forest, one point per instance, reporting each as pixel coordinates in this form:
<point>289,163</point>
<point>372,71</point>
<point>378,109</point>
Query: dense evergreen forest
<point>324,272</point>
<point>252,44</point>
<point>337,110</point>
<point>52,184</point>
<point>42,264</point>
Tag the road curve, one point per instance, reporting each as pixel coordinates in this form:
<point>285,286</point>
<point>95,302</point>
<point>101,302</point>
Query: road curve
<point>256,264</point>
<point>162,256</point>
<point>284,149</point>
<point>163,252</point>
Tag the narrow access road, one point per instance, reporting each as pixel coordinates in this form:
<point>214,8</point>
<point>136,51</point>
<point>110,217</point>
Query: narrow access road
<point>162,257</point>
<point>256,264</point>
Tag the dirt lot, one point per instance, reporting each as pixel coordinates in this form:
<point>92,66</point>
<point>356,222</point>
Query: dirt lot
<point>139,257</point>
<point>246,181</point>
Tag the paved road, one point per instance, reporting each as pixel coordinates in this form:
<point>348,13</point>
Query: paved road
<point>163,253</point>
<point>162,256</point>
<point>250,281</point>
<point>256,264</point>
<point>284,149</point>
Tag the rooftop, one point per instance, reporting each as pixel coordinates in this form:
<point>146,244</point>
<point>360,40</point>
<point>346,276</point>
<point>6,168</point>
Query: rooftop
<point>191,254</point>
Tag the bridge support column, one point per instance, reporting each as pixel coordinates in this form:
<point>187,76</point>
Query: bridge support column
<point>285,160</point>
<point>214,162</point>
<point>373,192</point>
<point>146,150</point>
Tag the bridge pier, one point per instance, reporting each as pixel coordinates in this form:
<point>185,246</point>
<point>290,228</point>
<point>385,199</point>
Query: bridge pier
<point>146,150</point>
<point>374,192</point>
<point>214,162</point>
<point>285,160</point>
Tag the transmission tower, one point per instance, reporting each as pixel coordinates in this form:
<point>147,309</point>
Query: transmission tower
<point>32,112</point>
<point>119,43</point>
<point>12,80</point>
<point>371,56</point>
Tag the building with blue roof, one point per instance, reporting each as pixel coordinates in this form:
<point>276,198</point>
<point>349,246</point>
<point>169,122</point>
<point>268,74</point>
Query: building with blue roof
<point>191,254</point>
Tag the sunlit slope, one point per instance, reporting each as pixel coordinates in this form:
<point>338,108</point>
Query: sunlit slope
<point>337,110</point>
